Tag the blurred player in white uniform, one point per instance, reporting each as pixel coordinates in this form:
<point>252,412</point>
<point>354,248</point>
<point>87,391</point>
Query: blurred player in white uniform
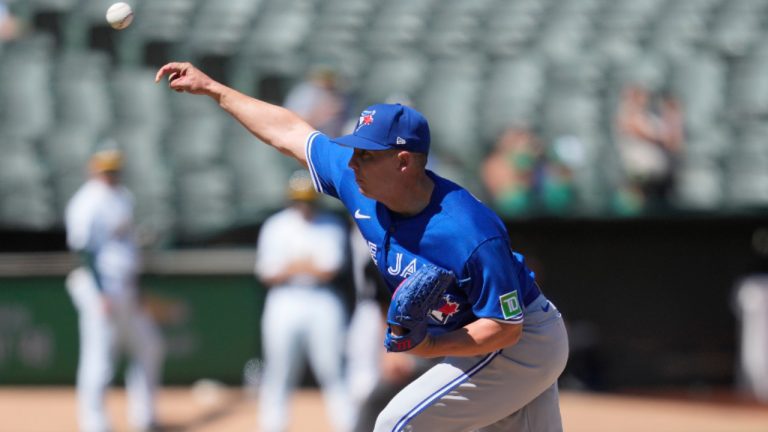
<point>99,222</point>
<point>752,312</point>
<point>299,253</point>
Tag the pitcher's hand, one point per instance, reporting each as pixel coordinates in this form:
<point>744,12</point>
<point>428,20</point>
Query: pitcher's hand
<point>184,77</point>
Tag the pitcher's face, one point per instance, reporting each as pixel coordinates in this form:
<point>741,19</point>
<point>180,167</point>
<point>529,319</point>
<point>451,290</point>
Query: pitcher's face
<point>375,171</point>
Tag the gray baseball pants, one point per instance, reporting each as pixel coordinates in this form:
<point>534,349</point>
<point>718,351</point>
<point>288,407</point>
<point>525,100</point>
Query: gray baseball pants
<point>511,390</point>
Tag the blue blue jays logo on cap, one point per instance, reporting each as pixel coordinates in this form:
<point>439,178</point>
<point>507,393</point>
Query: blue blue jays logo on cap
<point>366,119</point>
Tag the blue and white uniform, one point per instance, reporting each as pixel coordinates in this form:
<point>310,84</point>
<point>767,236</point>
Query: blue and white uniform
<point>510,389</point>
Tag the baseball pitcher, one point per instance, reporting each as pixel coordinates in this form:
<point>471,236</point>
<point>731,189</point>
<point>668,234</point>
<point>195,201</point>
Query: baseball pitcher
<point>461,293</point>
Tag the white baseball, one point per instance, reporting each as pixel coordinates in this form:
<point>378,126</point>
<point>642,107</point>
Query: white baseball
<point>120,15</point>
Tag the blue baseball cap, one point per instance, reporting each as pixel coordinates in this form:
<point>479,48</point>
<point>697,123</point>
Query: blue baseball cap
<point>389,126</point>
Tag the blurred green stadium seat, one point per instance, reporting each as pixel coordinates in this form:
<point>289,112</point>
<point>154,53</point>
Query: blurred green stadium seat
<point>66,149</point>
<point>699,81</point>
<point>81,89</point>
<point>204,201</point>
<point>512,94</point>
<point>147,175</point>
<point>164,21</point>
<point>26,100</point>
<point>259,174</point>
<point>281,27</point>
<point>748,86</point>
<point>509,27</point>
<point>137,99</point>
<point>450,99</point>
<point>53,5</point>
<point>454,27</point>
<point>25,198</point>
<point>699,184</point>
<point>194,142</point>
<point>337,30</point>
<point>220,27</point>
<point>390,75</point>
<point>397,26</point>
<point>746,167</point>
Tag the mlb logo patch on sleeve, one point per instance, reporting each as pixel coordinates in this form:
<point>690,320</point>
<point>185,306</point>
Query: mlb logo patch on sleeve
<point>510,305</point>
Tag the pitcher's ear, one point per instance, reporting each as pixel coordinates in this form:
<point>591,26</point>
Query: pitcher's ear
<point>405,158</point>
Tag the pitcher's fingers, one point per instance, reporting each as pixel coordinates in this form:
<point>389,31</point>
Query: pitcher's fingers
<point>173,76</point>
<point>176,67</point>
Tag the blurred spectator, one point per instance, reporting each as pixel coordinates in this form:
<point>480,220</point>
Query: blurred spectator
<point>522,176</point>
<point>509,172</point>
<point>629,200</point>
<point>650,142</point>
<point>556,189</point>
<point>9,25</point>
<point>320,101</point>
<point>99,222</point>
<point>300,252</point>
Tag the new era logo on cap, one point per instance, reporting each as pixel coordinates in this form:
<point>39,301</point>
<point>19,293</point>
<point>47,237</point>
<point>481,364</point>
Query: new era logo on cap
<point>388,126</point>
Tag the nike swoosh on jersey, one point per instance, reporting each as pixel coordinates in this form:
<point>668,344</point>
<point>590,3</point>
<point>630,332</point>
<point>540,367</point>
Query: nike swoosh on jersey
<point>359,215</point>
<point>545,307</point>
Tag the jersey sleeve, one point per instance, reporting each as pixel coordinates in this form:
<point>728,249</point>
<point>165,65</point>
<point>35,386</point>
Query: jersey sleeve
<point>495,291</point>
<point>327,162</point>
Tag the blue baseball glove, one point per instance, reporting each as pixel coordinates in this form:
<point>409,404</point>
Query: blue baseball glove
<point>411,302</point>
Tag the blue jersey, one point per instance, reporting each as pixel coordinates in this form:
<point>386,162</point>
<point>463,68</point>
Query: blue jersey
<point>455,231</point>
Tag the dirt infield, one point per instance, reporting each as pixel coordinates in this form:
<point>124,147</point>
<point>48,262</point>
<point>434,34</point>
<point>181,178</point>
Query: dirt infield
<point>36,409</point>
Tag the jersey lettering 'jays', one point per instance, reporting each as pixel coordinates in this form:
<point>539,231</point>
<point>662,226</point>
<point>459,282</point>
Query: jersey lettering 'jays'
<point>398,270</point>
